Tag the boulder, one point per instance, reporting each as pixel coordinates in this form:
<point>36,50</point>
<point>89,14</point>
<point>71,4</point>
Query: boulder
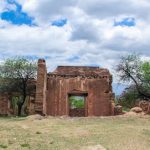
<point>130,113</point>
<point>136,109</point>
<point>118,110</point>
<point>145,105</point>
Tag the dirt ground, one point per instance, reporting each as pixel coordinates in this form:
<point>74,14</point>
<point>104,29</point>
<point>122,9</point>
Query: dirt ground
<point>128,132</point>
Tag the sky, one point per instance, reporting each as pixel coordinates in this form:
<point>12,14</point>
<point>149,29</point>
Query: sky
<point>75,32</point>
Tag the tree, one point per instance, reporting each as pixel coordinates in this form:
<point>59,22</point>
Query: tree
<point>132,69</point>
<point>16,75</point>
<point>128,98</point>
<point>76,101</point>
<point>145,69</point>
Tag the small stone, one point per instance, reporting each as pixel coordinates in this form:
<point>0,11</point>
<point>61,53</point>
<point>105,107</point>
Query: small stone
<point>95,147</point>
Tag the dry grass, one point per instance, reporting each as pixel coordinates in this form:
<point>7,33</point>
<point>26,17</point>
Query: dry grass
<point>113,133</point>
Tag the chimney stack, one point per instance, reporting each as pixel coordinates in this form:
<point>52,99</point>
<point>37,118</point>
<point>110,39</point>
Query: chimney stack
<point>40,99</point>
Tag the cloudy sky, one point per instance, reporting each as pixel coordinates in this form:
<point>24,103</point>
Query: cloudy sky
<point>75,32</point>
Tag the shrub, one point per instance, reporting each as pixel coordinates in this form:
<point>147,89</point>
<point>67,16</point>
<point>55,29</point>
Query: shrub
<point>128,98</point>
<point>3,146</point>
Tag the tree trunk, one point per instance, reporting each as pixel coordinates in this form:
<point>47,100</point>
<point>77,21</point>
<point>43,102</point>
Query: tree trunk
<point>142,93</point>
<point>19,109</point>
<point>20,104</point>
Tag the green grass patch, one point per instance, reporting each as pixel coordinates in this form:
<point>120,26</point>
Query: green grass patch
<point>3,146</point>
<point>25,145</point>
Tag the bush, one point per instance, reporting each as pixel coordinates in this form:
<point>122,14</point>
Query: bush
<point>76,102</point>
<point>3,146</point>
<point>128,98</point>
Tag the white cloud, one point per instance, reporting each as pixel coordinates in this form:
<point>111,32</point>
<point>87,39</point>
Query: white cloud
<point>115,8</point>
<point>89,33</point>
<point>33,40</point>
<point>2,5</point>
<point>45,11</point>
<point>6,6</point>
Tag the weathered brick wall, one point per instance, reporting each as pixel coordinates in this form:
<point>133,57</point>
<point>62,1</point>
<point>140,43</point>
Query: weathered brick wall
<point>53,89</point>
<point>4,104</point>
<point>30,104</point>
<point>77,112</point>
<point>98,101</point>
<point>40,105</point>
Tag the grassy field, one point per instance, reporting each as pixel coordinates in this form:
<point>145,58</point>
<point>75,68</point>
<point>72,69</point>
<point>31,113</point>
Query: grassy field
<point>113,133</point>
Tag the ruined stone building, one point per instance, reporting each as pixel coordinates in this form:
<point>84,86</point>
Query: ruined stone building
<point>92,84</point>
<point>55,90</point>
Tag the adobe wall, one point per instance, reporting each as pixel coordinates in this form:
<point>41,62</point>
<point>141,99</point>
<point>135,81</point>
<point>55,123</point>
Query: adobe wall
<point>52,90</point>
<point>99,99</point>
<point>4,104</point>
<point>40,102</point>
<point>6,107</point>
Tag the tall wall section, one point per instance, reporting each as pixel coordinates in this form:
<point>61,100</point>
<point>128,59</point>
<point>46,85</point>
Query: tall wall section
<point>40,100</point>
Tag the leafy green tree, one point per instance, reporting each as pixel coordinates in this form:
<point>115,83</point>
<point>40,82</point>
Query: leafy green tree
<point>145,69</point>
<point>15,76</point>
<point>128,98</point>
<point>76,102</point>
<point>133,70</point>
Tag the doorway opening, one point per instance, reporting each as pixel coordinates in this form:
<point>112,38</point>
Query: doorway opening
<point>77,105</point>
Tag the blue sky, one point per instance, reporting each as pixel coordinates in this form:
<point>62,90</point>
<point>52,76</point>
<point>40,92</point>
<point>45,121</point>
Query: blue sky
<point>95,33</point>
<point>16,17</point>
<point>19,17</point>
<point>130,22</point>
<point>59,22</point>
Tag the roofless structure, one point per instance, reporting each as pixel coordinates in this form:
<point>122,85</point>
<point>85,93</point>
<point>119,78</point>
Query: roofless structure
<point>74,91</point>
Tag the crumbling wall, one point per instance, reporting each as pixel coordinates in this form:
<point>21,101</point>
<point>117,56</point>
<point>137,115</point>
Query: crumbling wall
<point>52,90</point>
<point>77,112</point>
<point>98,101</point>
<point>4,104</point>
<point>40,101</point>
